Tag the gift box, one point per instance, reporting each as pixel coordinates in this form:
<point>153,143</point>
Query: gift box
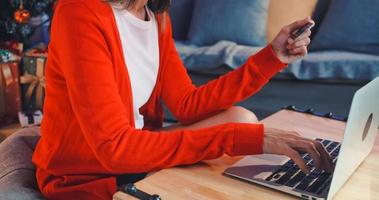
<point>8,56</point>
<point>10,102</point>
<point>32,82</point>
<point>39,50</point>
<point>13,46</point>
<point>10,51</point>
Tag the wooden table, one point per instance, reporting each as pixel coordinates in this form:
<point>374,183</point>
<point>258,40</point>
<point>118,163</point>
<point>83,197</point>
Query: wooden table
<point>205,180</point>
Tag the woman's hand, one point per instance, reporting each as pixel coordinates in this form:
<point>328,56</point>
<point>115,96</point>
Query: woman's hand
<point>291,143</point>
<point>287,49</point>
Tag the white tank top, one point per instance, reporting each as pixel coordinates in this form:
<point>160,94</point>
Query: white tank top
<point>139,40</point>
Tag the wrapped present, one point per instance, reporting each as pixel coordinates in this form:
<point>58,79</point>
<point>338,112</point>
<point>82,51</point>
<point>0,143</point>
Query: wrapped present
<point>10,102</point>
<point>33,83</point>
<point>10,51</point>
<point>15,47</point>
<point>39,50</point>
<point>29,119</point>
<point>8,56</point>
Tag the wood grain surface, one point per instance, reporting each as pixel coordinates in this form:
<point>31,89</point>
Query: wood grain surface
<point>205,180</point>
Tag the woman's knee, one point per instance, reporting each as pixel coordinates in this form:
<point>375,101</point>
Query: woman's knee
<point>240,114</point>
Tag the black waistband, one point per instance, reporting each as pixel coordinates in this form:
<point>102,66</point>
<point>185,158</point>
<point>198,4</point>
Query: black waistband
<point>129,178</point>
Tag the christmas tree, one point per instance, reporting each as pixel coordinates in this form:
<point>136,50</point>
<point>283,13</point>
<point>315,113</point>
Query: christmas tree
<point>25,21</point>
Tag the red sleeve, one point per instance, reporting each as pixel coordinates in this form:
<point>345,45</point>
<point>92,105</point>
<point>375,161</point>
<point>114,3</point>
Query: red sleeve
<point>104,120</point>
<point>189,104</point>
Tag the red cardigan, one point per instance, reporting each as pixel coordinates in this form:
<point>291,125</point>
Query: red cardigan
<point>88,133</point>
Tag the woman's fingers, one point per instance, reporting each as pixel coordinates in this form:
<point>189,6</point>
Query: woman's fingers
<point>301,51</point>
<point>298,46</point>
<point>291,143</point>
<point>307,146</point>
<point>306,34</point>
<point>318,153</point>
<point>297,24</point>
<point>299,161</point>
<point>299,43</point>
<point>315,149</point>
<point>326,161</point>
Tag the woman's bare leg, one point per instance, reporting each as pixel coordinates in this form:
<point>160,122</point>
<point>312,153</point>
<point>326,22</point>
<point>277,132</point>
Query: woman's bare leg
<point>234,114</point>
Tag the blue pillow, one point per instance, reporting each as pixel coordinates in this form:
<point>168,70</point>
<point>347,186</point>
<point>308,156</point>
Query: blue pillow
<point>181,13</point>
<point>319,13</point>
<point>349,25</point>
<point>242,21</point>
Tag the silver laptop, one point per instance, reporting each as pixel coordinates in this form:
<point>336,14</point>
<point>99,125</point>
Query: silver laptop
<point>281,173</point>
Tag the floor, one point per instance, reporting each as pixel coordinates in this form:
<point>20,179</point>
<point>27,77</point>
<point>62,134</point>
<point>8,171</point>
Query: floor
<point>321,96</point>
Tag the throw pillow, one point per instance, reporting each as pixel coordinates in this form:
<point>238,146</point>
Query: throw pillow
<point>349,25</point>
<point>180,14</point>
<point>242,21</point>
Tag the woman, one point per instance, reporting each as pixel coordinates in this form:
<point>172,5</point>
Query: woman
<point>109,71</point>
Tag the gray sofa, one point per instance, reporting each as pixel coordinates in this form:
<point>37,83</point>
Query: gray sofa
<point>325,79</point>
<point>327,58</point>
<point>17,173</point>
<point>332,64</point>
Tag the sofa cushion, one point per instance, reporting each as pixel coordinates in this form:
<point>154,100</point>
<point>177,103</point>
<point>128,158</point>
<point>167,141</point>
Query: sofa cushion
<point>316,65</point>
<point>281,13</point>
<point>210,57</point>
<point>180,14</point>
<point>349,25</point>
<point>17,172</point>
<point>242,21</point>
<point>336,65</point>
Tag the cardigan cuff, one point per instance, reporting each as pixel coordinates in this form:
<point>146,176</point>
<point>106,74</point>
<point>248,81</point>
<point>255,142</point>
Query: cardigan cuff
<point>268,62</point>
<point>248,139</point>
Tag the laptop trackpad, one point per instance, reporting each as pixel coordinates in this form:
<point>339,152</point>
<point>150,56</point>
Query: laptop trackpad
<point>256,167</point>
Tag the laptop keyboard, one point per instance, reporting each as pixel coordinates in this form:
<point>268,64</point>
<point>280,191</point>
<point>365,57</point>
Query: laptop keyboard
<point>316,181</point>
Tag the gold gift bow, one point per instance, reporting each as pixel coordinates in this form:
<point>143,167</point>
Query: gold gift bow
<point>36,82</point>
<point>7,76</point>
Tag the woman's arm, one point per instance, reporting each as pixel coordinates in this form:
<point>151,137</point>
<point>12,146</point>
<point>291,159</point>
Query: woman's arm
<point>190,104</point>
<point>88,70</point>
